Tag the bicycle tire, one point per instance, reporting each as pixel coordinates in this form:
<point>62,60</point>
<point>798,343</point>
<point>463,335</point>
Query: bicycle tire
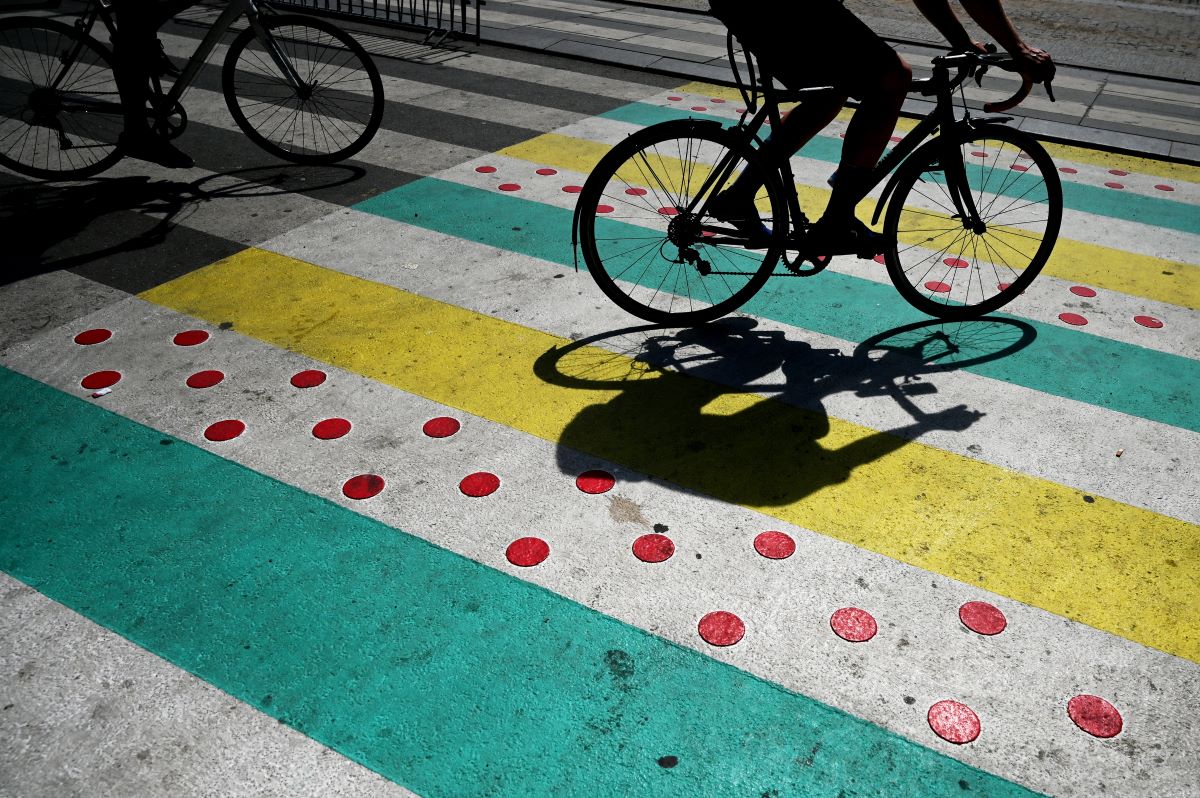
<point>948,271</point>
<point>53,76</point>
<point>338,118</point>
<point>649,176</point>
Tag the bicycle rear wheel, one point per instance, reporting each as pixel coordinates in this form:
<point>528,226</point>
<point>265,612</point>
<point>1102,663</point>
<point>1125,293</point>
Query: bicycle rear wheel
<point>60,111</point>
<point>942,267</point>
<point>652,256</point>
<point>334,112</point>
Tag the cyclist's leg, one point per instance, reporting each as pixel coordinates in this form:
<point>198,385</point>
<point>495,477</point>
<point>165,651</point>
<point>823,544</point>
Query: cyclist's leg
<point>854,58</point>
<point>135,50</point>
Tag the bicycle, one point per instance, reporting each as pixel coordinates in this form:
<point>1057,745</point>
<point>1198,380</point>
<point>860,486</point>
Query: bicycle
<point>299,87</point>
<point>971,217</point>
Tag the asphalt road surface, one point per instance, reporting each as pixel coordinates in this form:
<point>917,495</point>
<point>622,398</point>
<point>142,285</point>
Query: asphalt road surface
<point>1144,38</point>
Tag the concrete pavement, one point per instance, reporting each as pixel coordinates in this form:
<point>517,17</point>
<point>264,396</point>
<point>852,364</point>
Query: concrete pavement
<point>387,499</point>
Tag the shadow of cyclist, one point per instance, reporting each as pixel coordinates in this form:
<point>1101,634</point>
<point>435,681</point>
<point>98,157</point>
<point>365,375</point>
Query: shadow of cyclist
<point>53,226</point>
<point>737,413</point>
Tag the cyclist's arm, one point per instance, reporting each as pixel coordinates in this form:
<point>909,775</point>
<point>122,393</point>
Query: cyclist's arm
<point>991,17</point>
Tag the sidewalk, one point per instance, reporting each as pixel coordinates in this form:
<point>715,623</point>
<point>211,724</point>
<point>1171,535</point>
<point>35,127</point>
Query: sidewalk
<point>1113,111</point>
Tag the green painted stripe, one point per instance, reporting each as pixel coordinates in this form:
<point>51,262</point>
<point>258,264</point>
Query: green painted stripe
<point>1097,200</point>
<point>1142,382</point>
<point>441,674</point>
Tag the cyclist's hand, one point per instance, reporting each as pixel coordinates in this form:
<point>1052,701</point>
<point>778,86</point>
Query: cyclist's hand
<point>1034,63</point>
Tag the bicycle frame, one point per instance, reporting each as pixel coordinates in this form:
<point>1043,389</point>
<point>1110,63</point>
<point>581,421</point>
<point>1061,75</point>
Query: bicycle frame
<point>235,9</point>
<point>942,118</point>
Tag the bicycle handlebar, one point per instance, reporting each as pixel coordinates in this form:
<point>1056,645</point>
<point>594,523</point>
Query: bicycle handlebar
<point>973,63</point>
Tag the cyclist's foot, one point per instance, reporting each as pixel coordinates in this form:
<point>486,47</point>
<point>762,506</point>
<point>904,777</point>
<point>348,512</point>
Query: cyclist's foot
<point>742,214</point>
<point>148,147</point>
<point>845,237</point>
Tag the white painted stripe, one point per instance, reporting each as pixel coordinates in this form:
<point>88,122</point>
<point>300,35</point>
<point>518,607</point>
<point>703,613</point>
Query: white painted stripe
<point>1018,681</point>
<point>86,712</point>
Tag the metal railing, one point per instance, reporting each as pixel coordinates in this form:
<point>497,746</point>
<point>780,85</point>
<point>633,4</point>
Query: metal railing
<point>439,19</point>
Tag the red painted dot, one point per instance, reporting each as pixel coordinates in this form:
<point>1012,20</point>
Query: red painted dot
<point>954,722</point>
<point>363,486</point>
<point>595,481</point>
<point>1066,170</point>
<point>1073,319</point>
<point>1164,187</point>
<point>309,378</point>
<point>979,154</point>
<point>547,171</point>
<point>1118,172</point>
<point>1019,167</point>
<point>653,548</point>
<point>1115,185</point>
<point>668,211</point>
<point>205,379</point>
<point>572,189</point>
<point>775,545</point>
<point>1095,716</point>
<point>527,552</point>
<point>936,287</point>
<point>1003,286</point>
<point>96,336</point>
<point>190,338</point>
<point>956,263</point>
<point>481,483</point>
<point>699,108</point>
<point>100,379</point>
<point>1148,321</point>
<point>674,99</point>
<point>983,618</point>
<point>716,100</point>
<point>739,110</point>
<point>853,624</point>
<point>721,628</point>
<point>225,430</point>
<point>510,186</point>
<point>485,170</point>
<point>330,428</point>
<point>605,209</point>
<point>441,427</point>
<point>880,259</point>
<point>895,139</point>
<point>1083,290</point>
<point>636,192</point>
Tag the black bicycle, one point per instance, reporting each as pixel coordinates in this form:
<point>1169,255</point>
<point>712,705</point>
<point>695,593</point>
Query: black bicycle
<point>299,87</point>
<point>970,216</point>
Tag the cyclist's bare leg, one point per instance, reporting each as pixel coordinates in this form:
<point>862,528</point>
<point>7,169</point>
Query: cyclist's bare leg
<point>867,136</point>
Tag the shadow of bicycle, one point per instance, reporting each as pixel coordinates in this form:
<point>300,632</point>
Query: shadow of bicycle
<point>737,413</point>
<point>43,223</point>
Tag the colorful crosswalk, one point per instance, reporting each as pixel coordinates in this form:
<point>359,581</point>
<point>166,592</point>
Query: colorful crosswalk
<point>375,490</point>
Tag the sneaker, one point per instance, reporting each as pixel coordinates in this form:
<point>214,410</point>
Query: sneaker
<point>742,214</point>
<point>148,147</point>
<point>851,237</point>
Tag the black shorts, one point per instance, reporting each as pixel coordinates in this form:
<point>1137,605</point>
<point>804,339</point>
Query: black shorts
<point>807,43</point>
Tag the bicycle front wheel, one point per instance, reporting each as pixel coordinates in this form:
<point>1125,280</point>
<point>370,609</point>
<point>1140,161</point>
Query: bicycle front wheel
<point>648,252</point>
<point>60,111</point>
<point>307,92</point>
<point>953,270</point>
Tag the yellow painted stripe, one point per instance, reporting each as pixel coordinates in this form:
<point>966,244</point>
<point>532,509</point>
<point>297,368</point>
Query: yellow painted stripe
<point>1064,153</point>
<point>1119,568</point>
<point>1167,281</point>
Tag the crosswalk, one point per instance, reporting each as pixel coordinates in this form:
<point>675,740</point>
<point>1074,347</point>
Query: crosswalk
<point>345,481</point>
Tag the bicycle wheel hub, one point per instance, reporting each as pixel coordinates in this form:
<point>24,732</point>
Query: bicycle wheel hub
<point>44,102</point>
<point>684,229</point>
